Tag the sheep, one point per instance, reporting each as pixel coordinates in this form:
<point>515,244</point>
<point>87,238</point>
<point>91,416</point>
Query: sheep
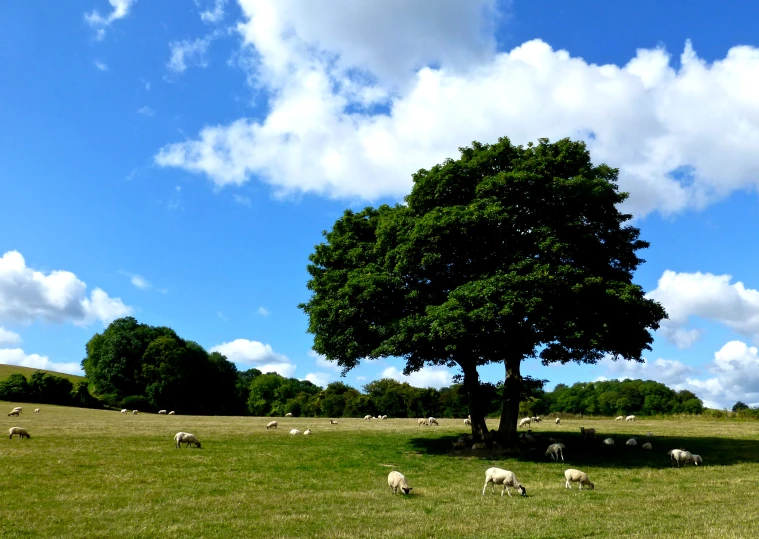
<point>525,422</point>
<point>696,459</point>
<point>588,433</point>
<point>367,417</point>
<point>162,412</point>
<point>421,421</point>
<point>631,441</point>
<point>460,443</point>
<point>678,456</point>
<point>19,431</point>
<point>479,445</point>
<point>172,412</point>
<point>467,422</point>
<point>619,418</point>
<point>432,421</point>
<point>383,417</point>
<point>497,476</point>
<point>271,425</point>
<point>576,476</point>
<point>558,421</point>
<point>124,410</point>
<point>333,422</point>
<point>647,446</point>
<point>134,412</point>
<point>186,438</point>
<point>307,432</point>
<point>36,410</point>
<point>288,414</point>
<point>294,431</point>
<point>396,480</point>
<point>608,441</point>
<point>13,413</point>
<point>630,418</point>
<point>18,409</point>
<point>555,451</point>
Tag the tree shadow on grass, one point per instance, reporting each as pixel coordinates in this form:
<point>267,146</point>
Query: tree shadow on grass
<point>714,451</point>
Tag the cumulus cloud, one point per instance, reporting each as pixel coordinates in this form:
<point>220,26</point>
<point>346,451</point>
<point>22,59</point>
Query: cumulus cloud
<point>256,354</point>
<point>188,53</point>
<point>322,362</point>
<point>736,376</point>
<point>320,379</point>
<point>352,114</point>
<point>213,14</point>
<point>8,337</point>
<point>672,373</point>
<point>427,377</point>
<point>16,356</point>
<point>708,296</point>
<point>57,296</point>
<point>100,23</point>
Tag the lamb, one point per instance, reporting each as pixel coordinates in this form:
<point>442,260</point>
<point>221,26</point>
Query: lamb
<point>558,421</point>
<point>497,476</point>
<point>631,441</point>
<point>172,412</point>
<point>679,455</point>
<point>134,412</point>
<point>555,451</point>
<point>294,431</point>
<point>18,430</point>
<point>588,433</point>
<point>124,411</point>
<point>288,414</point>
<point>467,422</point>
<point>163,412</point>
<point>432,421</point>
<point>630,418</point>
<point>186,438</point>
<point>36,410</point>
<point>396,480</point>
<point>647,446</point>
<point>525,422</point>
<point>576,476</point>
<point>333,422</point>
<point>608,441</point>
<point>619,418</point>
<point>421,421</point>
<point>271,425</point>
<point>307,432</point>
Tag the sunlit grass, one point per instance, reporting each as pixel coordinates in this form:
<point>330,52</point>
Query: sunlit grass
<point>89,473</point>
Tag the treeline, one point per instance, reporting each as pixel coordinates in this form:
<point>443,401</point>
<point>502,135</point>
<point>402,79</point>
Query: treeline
<point>47,388</point>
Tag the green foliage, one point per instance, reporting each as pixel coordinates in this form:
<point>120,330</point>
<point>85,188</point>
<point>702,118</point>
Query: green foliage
<point>46,388</point>
<point>740,406</point>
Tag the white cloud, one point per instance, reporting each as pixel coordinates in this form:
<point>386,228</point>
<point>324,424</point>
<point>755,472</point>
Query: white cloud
<point>669,372</point>
<point>708,296</point>
<point>100,66</point>
<point>263,311</point>
<point>320,379</point>
<point>256,354</point>
<point>145,84</point>
<point>242,200</point>
<point>99,23</point>
<point>57,296</point>
<point>360,378</point>
<point>146,111</point>
<point>9,337</point>
<point>283,369</point>
<point>321,361</point>
<point>215,14</point>
<point>682,138</point>
<point>426,377</point>
<point>736,370</point>
<point>16,356</point>
<point>188,53</point>
<point>138,281</point>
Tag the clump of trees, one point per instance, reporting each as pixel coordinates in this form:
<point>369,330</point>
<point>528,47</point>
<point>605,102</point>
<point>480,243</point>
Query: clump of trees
<point>48,389</point>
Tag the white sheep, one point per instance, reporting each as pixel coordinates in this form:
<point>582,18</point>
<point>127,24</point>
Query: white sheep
<point>421,421</point>
<point>18,409</point>
<point>162,412</point>
<point>13,413</point>
<point>467,422</point>
<point>696,459</point>
<point>647,446</point>
<point>186,438</point>
<point>555,451</point>
<point>631,441</point>
<point>172,412</point>
<point>460,443</point>
<point>478,445</point>
<point>18,431</point>
<point>558,421</point>
<point>497,476</point>
<point>619,418</point>
<point>608,441</point>
<point>679,455</point>
<point>271,425</point>
<point>396,480</point>
<point>525,422</point>
<point>288,414</point>
<point>588,433</point>
<point>368,417</point>
<point>432,421</point>
<point>134,412</point>
<point>383,417</point>
<point>123,411</point>
<point>307,432</point>
<point>576,476</point>
<point>36,410</point>
<point>630,418</point>
<point>333,422</point>
<point>294,431</point>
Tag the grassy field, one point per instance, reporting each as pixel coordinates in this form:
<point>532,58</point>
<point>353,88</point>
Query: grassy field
<point>7,370</point>
<point>89,473</point>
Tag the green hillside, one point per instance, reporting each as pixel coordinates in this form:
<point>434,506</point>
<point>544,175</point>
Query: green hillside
<point>7,370</point>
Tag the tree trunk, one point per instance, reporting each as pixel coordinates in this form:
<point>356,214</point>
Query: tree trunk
<point>507,430</point>
<point>476,410</point>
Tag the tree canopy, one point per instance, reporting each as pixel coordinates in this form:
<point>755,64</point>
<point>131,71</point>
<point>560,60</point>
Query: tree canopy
<point>507,253</point>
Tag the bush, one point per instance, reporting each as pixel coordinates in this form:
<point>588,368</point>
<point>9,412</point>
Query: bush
<point>136,402</point>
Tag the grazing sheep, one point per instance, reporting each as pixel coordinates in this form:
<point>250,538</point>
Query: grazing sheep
<point>525,422</point>
<point>619,418</point>
<point>696,459</point>
<point>294,431</point>
<point>608,441</point>
<point>576,476</point>
<point>307,432</point>
<point>333,422</point>
<point>186,438</point>
<point>172,412</point>
<point>421,421</point>
<point>588,433</point>
<point>19,431</point>
<point>288,414</point>
<point>631,441</point>
<point>162,412</point>
<point>467,422</point>
<point>18,409</point>
<point>678,456</point>
<point>367,417</point>
<point>271,425</point>
<point>396,480</point>
<point>555,451</point>
<point>432,421</point>
<point>124,411</point>
<point>630,418</point>
<point>13,413</point>
<point>479,445</point>
<point>134,412</point>
<point>36,410</point>
<point>460,443</point>
<point>383,417</point>
<point>558,421</point>
<point>497,476</point>
<point>650,434</point>
<point>647,446</point>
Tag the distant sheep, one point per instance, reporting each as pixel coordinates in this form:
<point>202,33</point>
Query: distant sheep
<point>383,417</point>
<point>271,425</point>
<point>525,422</point>
<point>172,412</point>
<point>647,446</point>
<point>162,412</point>
<point>678,456</point>
<point>333,422</point>
<point>13,413</point>
<point>432,421</point>
<point>134,412</point>
<point>288,414</point>
<point>467,422</point>
<point>396,480</point>
<point>18,431</point>
<point>497,476</point>
<point>630,418</point>
<point>307,432</point>
<point>619,418</point>
<point>558,421</point>
<point>421,421</point>
<point>18,409</point>
<point>608,441</point>
<point>576,476</point>
<point>479,445</point>
<point>555,451</point>
<point>631,441</point>
<point>460,443</point>
<point>124,411</point>
<point>294,431</point>
<point>36,410</point>
<point>588,433</point>
<point>696,459</point>
<point>186,438</point>
<point>368,417</point>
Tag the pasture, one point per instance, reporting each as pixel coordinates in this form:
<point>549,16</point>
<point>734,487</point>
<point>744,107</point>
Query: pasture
<point>91,473</point>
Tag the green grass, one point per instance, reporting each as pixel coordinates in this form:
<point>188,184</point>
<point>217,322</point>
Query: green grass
<point>7,370</point>
<point>92,473</point>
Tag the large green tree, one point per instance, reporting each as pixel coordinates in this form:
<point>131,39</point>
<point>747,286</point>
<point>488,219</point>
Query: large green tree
<point>507,253</point>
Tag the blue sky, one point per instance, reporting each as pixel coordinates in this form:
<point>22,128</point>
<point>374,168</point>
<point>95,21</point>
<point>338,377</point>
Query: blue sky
<point>178,160</point>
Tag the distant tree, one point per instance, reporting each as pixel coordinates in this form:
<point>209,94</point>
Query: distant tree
<point>14,388</point>
<point>740,406</point>
<point>505,254</point>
